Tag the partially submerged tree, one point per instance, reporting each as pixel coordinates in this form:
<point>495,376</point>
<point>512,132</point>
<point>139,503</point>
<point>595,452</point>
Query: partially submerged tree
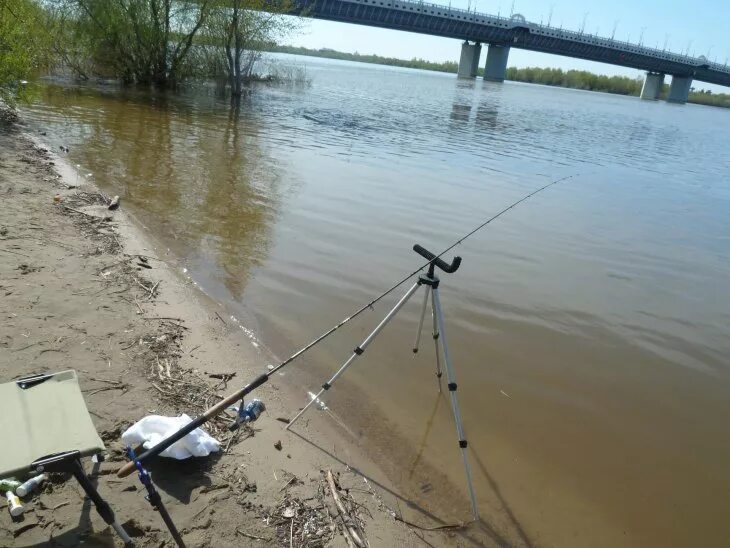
<point>23,46</point>
<point>238,31</point>
<point>138,41</point>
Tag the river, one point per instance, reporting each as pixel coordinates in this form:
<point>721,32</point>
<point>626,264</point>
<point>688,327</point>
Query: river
<point>589,327</point>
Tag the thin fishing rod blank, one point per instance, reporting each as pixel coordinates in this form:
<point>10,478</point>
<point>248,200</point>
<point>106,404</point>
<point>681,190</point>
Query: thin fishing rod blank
<point>264,377</point>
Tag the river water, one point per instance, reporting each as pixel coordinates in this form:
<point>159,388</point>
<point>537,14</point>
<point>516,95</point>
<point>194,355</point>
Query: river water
<point>589,327</point>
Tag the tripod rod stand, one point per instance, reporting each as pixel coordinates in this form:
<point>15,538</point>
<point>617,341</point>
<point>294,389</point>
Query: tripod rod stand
<point>431,283</point>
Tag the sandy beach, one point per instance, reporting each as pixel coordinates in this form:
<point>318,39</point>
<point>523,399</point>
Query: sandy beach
<point>85,288</point>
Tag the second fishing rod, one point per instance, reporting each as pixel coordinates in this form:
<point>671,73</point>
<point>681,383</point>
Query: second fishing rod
<point>240,394</point>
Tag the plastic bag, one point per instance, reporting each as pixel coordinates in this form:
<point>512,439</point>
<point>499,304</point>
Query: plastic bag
<point>154,428</point>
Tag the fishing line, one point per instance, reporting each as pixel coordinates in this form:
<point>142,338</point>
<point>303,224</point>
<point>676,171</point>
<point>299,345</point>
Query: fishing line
<point>241,393</point>
<point>369,305</point>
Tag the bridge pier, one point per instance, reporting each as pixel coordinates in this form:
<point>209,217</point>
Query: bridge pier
<point>496,67</point>
<point>679,89</point>
<point>652,87</point>
<point>469,60</point>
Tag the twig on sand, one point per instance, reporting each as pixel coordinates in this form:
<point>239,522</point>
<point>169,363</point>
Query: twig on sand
<point>294,478</point>
<point>163,318</point>
<point>22,255</point>
<point>221,319</point>
<point>434,528</point>
<point>28,346</point>
<point>152,291</point>
<point>80,212</point>
<point>130,345</point>
<point>249,535</point>
<point>122,387</point>
<point>160,390</point>
<point>102,269</point>
<point>181,326</point>
<point>346,518</point>
<point>230,440</point>
<point>104,380</point>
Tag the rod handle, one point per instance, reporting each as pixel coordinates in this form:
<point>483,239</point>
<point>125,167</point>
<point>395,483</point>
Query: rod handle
<point>443,265</point>
<point>127,469</point>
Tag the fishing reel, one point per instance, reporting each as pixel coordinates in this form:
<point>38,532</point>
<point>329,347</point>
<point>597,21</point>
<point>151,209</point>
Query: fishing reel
<point>247,413</point>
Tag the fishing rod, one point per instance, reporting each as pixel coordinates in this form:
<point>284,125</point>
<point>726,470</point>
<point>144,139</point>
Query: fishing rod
<point>221,406</point>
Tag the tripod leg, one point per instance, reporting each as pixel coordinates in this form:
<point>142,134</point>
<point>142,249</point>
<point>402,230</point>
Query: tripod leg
<point>455,402</point>
<point>420,322</point>
<point>156,501</point>
<point>436,335</point>
<point>102,506</point>
<point>358,350</point>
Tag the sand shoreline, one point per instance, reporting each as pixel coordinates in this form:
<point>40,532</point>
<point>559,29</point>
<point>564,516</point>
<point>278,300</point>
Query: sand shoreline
<point>77,292</point>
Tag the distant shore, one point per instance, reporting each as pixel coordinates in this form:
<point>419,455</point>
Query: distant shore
<point>573,79</point>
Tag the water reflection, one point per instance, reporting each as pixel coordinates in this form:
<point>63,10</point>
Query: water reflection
<point>486,117</point>
<point>460,112</point>
<point>193,168</point>
<point>240,199</point>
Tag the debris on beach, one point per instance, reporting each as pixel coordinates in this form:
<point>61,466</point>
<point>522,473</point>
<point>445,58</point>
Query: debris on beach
<point>301,523</point>
<point>91,222</point>
<point>313,522</point>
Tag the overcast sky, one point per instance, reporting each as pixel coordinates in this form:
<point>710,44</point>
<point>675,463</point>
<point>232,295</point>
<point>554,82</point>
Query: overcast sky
<point>702,26</point>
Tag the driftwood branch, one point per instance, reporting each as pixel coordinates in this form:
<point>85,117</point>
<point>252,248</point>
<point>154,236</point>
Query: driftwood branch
<point>249,535</point>
<point>346,518</point>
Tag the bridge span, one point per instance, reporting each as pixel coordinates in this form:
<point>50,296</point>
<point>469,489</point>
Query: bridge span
<point>501,34</point>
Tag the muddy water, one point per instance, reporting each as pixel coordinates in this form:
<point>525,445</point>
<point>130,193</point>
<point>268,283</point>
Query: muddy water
<point>589,327</point>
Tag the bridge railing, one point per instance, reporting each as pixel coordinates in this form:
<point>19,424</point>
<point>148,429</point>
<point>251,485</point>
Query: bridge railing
<point>620,45</point>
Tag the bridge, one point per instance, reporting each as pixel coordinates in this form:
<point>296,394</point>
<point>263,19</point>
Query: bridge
<point>502,33</point>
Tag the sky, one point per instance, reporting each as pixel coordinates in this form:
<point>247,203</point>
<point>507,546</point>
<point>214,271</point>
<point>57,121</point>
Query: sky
<point>703,26</point>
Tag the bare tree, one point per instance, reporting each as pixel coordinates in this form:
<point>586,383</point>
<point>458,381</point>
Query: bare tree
<point>240,30</point>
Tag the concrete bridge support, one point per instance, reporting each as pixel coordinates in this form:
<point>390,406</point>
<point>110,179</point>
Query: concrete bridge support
<point>496,67</point>
<point>679,89</point>
<point>469,60</point>
<point>652,87</point>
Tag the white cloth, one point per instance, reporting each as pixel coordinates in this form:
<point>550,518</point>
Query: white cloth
<point>154,428</point>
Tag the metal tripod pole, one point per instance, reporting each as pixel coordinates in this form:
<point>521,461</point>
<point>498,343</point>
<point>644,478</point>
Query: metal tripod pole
<point>435,332</point>
<point>420,322</point>
<point>454,401</point>
<point>358,350</point>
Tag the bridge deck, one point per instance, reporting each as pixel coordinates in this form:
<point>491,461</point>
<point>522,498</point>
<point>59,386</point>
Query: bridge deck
<point>456,23</point>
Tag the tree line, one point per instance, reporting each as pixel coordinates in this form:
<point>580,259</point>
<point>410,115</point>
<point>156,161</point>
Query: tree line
<point>575,79</point>
<point>414,63</point>
<point>160,43</point>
